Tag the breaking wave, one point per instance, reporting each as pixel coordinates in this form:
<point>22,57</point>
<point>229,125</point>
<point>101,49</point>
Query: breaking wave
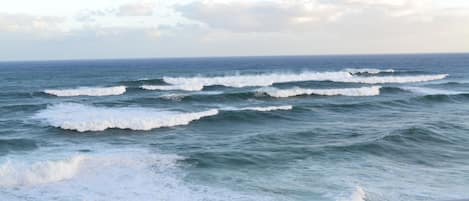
<point>283,93</point>
<point>173,87</point>
<point>17,174</point>
<point>88,91</point>
<point>72,116</point>
<point>239,81</point>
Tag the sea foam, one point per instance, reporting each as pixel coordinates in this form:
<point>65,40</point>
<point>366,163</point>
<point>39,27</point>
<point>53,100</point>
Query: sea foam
<point>272,78</point>
<point>358,195</point>
<point>259,109</point>
<point>88,91</point>
<point>109,174</point>
<point>72,116</point>
<point>19,174</point>
<point>268,108</point>
<point>283,93</point>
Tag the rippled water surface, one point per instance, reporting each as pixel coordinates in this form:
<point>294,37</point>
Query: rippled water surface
<point>325,128</point>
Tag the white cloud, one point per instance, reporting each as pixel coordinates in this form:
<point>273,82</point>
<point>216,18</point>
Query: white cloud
<point>141,8</point>
<point>260,16</point>
<point>30,24</point>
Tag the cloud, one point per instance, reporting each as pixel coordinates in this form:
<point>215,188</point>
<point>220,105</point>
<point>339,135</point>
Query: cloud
<point>142,8</point>
<point>29,23</point>
<point>423,10</point>
<point>260,16</point>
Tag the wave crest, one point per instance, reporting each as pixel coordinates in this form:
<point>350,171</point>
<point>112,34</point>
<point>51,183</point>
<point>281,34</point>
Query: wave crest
<point>283,93</point>
<point>72,116</point>
<point>12,174</point>
<point>239,81</point>
<point>87,91</point>
<point>173,87</point>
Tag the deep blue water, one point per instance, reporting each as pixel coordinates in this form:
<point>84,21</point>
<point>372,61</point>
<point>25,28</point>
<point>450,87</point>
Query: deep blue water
<point>325,128</point>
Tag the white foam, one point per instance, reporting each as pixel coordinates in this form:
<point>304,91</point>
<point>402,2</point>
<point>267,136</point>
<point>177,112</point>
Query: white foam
<point>283,93</point>
<point>269,79</point>
<point>174,96</point>
<point>259,109</point>
<point>124,174</point>
<point>19,174</point>
<point>268,108</point>
<point>358,195</point>
<point>193,87</point>
<point>430,91</point>
<point>88,91</point>
<point>82,118</point>
<point>368,70</point>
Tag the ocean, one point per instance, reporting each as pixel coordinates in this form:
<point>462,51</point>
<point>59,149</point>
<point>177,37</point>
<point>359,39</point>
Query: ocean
<point>306,128</point>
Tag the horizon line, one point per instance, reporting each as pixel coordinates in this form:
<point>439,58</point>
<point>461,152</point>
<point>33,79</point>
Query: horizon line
<point>232,56</point>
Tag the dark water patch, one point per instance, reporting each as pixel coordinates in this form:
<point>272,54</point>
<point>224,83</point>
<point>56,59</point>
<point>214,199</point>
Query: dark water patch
<point>22,108</point>
<point>15,145</point>
<point>138,83</point>
<point>229,159</point>
<point>416,145</point>
<point>392,90</point>
<point>442,98</point>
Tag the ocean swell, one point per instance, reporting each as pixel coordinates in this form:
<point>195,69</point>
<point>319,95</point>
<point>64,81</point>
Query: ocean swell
<point>88,91</point>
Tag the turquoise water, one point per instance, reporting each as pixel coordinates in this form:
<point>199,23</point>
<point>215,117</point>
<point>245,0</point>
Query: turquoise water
<point>325,128</point>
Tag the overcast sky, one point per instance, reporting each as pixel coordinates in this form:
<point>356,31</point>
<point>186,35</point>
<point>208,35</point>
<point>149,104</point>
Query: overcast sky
<point>90,29</point>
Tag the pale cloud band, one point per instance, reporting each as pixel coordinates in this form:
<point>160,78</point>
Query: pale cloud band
<point>157,28</point>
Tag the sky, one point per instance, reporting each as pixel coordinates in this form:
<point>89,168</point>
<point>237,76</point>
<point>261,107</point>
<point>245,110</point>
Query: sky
<point>94,29</point>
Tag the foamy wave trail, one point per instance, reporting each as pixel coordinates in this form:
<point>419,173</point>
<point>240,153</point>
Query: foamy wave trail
<point>430,91</point>
<point>88,91</point>
<point>368,70</point>
<point>283,93</point>
<point>261,109</point>
<point>269,79</point>
<point>18,174</point>
<point>173,87</point>
<point>72,116</point>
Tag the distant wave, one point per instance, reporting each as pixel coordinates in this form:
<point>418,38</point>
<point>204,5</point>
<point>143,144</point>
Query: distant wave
<point>368,70</point>
<point>283,93</point>
<point>173,87</point>
<point>262,109</point>
<point>13,174</point>
<point>270,79</point>
<point>88,91</point>
<point>430,91</point>
<point>72,116</point>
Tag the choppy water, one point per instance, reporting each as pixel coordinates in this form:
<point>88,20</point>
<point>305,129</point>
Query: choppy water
<point>330,128</point>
